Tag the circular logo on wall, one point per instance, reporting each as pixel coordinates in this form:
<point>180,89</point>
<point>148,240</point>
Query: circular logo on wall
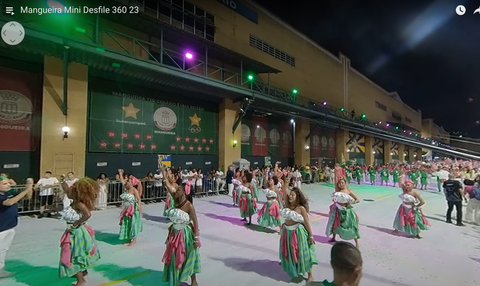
<point>260,134</point>
<point>165,118</point>
<point>331,142</point>
<point>15,108</point>
<point>246,133</point>
<point>274,136</point>
<point>324,142</point>
<point>287,138</point>
<point>316,141</point>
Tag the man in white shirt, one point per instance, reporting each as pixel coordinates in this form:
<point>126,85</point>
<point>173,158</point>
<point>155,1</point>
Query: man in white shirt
<point>158,183</point>
<point>69,180</point>
<point>220,181</point>
<point>46,186</point>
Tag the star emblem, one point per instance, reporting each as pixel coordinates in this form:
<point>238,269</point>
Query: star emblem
<point>136,136</point>
<point>204,140</point>
<point>195,140</point>
<point>130,146</point>
<point>103,144</point>
<point>153,147</point>
<point>178,138</point>
<point>173,147</point>
<point>187,139</point>
<point>190,148</point>
<point>124,135</point>
<point>195,120</point>
<point>207,149</point>
<point>210,140</point>
<point>142,146</point>
<point>130,111</point>
<point>199,148</point>
<point>111,134</point>
<point>182,148</point>
<point>148,137</point>
<point>116,145</point>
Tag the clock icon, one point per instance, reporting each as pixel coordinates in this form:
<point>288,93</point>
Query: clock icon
<point>461,10</point>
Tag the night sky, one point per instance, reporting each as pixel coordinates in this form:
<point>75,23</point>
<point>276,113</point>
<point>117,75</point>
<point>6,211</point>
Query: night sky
<point>423,50</point>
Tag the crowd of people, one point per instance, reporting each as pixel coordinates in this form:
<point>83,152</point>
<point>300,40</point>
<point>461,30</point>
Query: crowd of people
<point>286,209</point>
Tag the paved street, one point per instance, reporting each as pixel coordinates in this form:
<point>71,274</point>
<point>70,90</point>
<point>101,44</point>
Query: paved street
<point>235,255</point>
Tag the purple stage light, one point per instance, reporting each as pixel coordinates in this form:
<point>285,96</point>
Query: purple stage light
<point>324,103</point>
<point>189,56</point>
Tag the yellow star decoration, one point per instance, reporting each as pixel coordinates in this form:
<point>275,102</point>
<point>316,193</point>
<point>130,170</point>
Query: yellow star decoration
<point>130,111</point>
<point>195,120</point>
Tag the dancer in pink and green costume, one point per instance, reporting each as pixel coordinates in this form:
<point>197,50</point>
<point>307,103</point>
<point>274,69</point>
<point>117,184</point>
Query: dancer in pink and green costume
<point>181,259</point>
<point>247,203</point>
<point>297,245</point>
<point>342,219</point>
<point>79,251</point>
<point>269,215</point>
<point>410,218</point>
<point>131,215</point>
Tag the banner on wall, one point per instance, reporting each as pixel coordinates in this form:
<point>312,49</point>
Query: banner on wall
<point>268,161</point>
<point>356,143</point>
<point>394,149</point>
<point>378,148</point>
<point>266,136</point>
<point>17,90</point>
<point>136,124</point>
<point>164,161</point>
<point>322,142</point>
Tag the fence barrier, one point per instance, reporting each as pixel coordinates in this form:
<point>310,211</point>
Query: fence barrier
<point>152,191</point>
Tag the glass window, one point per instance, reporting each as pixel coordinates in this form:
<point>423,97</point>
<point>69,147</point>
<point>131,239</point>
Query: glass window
<point>210,19</point>
<point>177,15</point>
<point>199,12</point>
<point>189,20</point>
<point>164,9</point>
<point>151,4</point>
<point>188,7</point>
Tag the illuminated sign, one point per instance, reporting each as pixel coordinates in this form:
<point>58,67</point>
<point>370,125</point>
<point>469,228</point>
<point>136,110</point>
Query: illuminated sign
<point>241,9</point>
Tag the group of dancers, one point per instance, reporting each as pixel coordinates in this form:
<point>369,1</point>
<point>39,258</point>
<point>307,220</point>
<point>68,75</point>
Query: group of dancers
<point>286,208</point>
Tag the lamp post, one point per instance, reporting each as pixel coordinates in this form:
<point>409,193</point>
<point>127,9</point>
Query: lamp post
<point>293,138</point>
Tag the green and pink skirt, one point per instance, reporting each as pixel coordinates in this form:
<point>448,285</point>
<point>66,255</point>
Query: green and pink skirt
<point>247,205</point>
<point>410,220</point>
<point>342,221</point>
<point>297,256</point>
<point>130,222</point>
<point>78,251</point>
<point>269,215</point>
<point>181,259</point>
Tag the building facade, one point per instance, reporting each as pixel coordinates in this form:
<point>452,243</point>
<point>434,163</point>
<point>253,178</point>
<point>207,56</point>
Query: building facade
<point>190,83</point>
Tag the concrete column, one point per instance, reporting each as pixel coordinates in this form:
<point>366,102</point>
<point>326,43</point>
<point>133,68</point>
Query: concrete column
<point>302,153</point>
<point>227,151</point>
<point>401,153</point>
<point>57,154</point>
<point>411,154</point>
<point>387,157</point>
<point>341,145</point>
<point>369,156</point>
